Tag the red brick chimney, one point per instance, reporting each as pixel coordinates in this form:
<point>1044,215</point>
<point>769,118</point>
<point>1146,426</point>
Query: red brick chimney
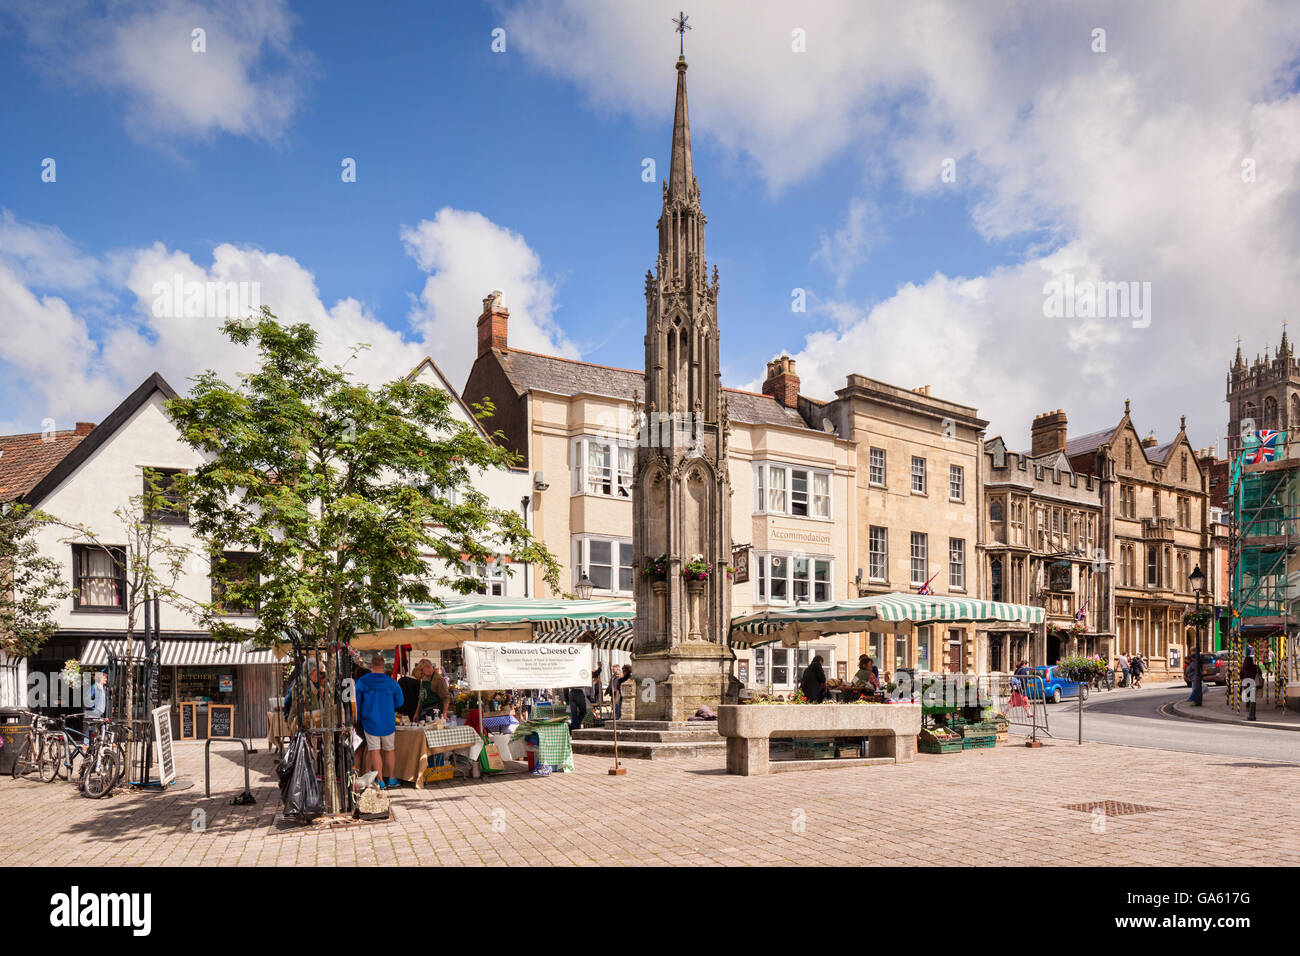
<point>84,428</point>
<point>492,323</point>
<point>1047,434</point>
<point>782,383</point>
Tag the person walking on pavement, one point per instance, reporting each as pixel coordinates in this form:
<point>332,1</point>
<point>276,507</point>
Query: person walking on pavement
<point>1125,670</point>
<point>1251,673</point>
<point>1194,675</point>
<point>616,681</point>
<point>1137,666</point>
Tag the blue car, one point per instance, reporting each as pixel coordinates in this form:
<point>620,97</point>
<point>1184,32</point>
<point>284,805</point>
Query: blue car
<point>1055,686</point>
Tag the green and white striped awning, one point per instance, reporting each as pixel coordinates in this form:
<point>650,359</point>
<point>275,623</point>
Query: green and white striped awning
<point>881,612</point>
<point>615,636</point>
<point>500,619</point>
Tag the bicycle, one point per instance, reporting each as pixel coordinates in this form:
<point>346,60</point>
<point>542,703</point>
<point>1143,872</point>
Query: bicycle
<point>72,748</point>
<point>104,764</point>
<point>37,752</point>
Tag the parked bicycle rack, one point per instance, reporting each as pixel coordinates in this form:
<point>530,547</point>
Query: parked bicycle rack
<point>245,798</point>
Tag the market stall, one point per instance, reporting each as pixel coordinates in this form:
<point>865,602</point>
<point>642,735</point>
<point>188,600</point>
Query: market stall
<point>958,711</point>
<point>507,645</point>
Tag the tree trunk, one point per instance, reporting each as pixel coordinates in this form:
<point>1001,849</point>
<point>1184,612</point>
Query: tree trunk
<point>128,746</point>
<point>330,749</point>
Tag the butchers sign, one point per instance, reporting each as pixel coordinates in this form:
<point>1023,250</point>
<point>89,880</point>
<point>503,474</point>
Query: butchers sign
<point>491,666</point>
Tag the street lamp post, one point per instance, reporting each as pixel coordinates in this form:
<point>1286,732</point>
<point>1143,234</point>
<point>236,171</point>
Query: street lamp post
<point>1197,580</point>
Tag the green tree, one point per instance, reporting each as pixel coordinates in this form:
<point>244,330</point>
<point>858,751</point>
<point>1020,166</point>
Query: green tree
<point>340,493</point>
<point>31,584</point>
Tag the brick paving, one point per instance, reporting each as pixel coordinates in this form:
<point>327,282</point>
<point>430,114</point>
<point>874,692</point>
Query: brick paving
<point>1000,806</point>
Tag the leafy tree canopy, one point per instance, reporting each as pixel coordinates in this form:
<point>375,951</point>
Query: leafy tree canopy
<point>339,491</point>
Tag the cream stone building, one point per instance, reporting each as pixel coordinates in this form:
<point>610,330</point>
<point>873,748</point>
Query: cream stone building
<point>916,496</point>
<point>794,511</point>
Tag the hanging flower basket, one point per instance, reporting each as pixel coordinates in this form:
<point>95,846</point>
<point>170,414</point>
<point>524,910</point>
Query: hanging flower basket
<point>697,569</point>
<point>71,672</point>
<point>656,569</point>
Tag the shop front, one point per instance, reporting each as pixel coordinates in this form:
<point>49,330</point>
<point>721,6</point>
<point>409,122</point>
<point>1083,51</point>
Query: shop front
<point>212,689</point>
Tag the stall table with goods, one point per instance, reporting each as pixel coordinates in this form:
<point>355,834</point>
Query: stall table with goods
<point>548,743</point>
<point>957,714</point>
<point>414,744</point>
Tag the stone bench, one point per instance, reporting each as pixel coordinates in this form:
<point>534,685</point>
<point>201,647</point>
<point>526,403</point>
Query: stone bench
<point>890,730</point>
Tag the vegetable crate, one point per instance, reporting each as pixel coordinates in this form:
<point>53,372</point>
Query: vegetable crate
<point>814,749</point>
<point>928,743</point>
<point>978,743</point>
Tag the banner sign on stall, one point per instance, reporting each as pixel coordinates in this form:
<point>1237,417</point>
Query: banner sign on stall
<point>491,666</point>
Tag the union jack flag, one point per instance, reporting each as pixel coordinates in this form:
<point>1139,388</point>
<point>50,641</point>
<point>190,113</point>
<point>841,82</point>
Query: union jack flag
<point>1264,447</point>
<point>925,588</point>
<point>1083,613</point>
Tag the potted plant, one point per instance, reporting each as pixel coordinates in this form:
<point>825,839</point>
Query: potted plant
<point>656,569</point>
<point>697,569</point>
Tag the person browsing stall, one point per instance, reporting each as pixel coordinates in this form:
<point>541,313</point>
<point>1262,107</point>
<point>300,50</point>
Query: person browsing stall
<point>378,698</point>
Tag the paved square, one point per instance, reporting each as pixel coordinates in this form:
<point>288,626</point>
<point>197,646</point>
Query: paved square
<point>1002,806</point>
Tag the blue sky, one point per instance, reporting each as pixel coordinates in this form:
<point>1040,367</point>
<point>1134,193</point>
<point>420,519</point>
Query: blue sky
<point>820,172</point>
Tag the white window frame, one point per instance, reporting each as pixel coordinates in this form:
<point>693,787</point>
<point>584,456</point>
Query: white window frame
<point>615,474</point>
<point>873,555</point>
<point>621,556</point>
<point>922,554</point>
<point>919,474</point>
<point>957,483</point>
<point>492,576</point>
<point>957,564</point>
<point>871,467</point>
<point>775,491</point>
<point>795,569</point>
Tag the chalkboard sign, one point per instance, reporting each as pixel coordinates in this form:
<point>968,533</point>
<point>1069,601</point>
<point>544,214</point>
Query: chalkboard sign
<point>162,736</point>
<point>221,720</point>
<point>189,717</point>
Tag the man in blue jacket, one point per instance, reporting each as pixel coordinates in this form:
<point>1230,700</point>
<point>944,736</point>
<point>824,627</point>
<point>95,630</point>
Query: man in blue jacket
<point>378,698</point>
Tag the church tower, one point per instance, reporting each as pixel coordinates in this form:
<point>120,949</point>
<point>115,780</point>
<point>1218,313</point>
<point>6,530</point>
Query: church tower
<point>682,493</point>
<point>1265,394</point>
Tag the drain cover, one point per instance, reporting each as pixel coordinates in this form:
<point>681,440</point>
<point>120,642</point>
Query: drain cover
<point>1112,808</point>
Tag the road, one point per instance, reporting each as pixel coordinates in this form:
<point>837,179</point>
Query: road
<point>1139,718</point>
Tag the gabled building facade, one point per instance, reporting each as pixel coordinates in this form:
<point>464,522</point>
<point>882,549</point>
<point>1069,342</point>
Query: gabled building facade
<point>1155,514</point>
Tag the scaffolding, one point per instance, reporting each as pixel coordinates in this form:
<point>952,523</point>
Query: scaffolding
<point>1264,539</point>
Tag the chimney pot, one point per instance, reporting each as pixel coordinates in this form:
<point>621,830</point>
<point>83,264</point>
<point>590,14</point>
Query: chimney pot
<point>493,323</point>
<point>782,383</point>
<point>1047,434</point>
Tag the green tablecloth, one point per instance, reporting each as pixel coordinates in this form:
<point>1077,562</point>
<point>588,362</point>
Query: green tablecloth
<point>553,743</point>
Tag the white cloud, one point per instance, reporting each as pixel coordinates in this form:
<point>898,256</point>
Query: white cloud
<point>77,350</point>
<point>1122,166</point>
<point>247,82</point>
<point>468,256</point>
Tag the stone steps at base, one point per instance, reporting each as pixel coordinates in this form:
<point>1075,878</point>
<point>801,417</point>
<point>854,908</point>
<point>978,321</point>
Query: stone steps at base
<point>839,763</point>
<point>697,726</point>
<point>646,736</point>
<point>650,751</point>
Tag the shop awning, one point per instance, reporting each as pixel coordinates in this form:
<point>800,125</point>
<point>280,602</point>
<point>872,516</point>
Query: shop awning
<point>894,612</point>
<point>504,619</point>
<point>195,652</point>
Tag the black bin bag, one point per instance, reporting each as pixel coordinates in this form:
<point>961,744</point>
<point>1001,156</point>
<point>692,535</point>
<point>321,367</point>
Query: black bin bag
<point>299,788</point>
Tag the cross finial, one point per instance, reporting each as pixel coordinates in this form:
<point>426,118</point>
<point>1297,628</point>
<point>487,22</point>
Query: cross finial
<point>682,27</point>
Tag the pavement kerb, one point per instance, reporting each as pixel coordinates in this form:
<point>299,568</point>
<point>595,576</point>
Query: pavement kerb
<point>1186,709</point>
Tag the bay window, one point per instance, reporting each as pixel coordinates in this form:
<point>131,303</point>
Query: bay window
<point>799,579</point>
<point>606,561</point>
<point>602,467</point>
<point>787,490</point>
